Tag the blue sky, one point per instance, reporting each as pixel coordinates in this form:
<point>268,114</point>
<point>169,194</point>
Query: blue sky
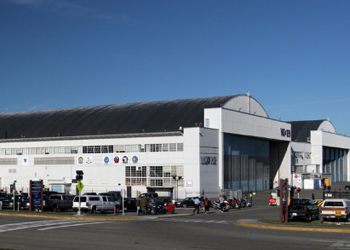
<point>292,56</point>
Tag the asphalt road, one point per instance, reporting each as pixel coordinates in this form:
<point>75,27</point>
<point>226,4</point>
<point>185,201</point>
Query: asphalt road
<point>204,231</point>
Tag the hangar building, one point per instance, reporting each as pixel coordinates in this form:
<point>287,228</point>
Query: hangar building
<point>179,147</point>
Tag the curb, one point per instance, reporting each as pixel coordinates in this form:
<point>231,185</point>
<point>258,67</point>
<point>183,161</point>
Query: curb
<point>289,228</point>
<point>68,217</point>
<point>74,217</point>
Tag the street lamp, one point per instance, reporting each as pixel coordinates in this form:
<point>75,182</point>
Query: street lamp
<point>177,178</point>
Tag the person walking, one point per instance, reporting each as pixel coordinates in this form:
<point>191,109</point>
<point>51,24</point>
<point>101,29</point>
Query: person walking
<point>222,203</point>
<point>143,204</point>
<point>138,205</point>
<point>197,202</point>
<point>207,204</point>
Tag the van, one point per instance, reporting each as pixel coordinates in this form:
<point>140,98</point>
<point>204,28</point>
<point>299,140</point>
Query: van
<point>94,203</point>
<point>332,209</point>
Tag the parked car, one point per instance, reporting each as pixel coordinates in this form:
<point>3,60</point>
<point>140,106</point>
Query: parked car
<point>187,202</point>
<point>10,202</point>
<point>333,209</point>
<point>304,208</point>
<point>60,202</point>
<point>94,203</point>
<point>129,204</point>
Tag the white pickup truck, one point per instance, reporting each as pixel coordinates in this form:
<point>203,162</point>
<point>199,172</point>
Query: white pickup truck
<point>95,203</point>
<point>333,209</point>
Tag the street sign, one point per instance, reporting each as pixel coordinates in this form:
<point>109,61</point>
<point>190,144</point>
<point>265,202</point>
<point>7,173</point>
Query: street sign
<point>80,186</point>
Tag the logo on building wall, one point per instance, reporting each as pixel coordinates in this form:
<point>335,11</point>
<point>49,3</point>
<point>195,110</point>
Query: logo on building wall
<point>135,159</point>
<point>125,159</point>
<point>80,160</point>
<point>208,160</point>
<point>88,160</point>
<point>25,161</point>
<point>106,159</point>
<point>116,159</point>
<point>285,132</point>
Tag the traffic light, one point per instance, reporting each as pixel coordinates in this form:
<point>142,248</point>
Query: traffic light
<point>298,190</point>
<point>79,176</point>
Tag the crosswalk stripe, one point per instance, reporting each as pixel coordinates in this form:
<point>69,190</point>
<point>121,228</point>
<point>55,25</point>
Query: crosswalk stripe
<point>34,224</point>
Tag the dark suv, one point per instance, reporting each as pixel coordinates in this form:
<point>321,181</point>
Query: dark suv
<point>187,202</point>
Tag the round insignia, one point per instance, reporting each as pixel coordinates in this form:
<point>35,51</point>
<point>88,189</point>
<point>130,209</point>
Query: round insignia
<point>80,160</point>
<point>125,159</point>
<point>135,159</point>
<point>116,159</point>
<point>106,160</point>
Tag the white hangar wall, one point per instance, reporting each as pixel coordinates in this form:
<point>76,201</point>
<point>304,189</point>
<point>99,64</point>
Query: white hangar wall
<point>234,122</point>
<point>99,175</point>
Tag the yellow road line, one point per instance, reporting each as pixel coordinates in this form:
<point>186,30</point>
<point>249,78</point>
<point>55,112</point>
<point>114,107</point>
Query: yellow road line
<point>329,230</point>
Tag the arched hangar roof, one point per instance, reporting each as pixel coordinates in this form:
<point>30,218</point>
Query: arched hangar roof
<point>301,129</point>
<point>146,117</point>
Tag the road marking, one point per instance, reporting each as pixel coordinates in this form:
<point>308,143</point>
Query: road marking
<point>51,224</point>
<point>341,244</point>
<point>197,221</point>
<point>74,225</point>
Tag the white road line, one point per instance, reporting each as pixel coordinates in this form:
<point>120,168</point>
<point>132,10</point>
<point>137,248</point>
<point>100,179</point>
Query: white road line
<point>72,225</point>
<point>33,224</point>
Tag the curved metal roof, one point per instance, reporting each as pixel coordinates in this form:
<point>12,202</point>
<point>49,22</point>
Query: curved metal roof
<point>147,117</point>
<point>301,129</point>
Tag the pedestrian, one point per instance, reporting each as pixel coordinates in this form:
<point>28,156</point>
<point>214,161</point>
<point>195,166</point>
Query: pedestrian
<point>313,196</point>
<point>207,204</point>
<point>138,205</point>
<point>197,202</point>
<point>222,203</point>
<point>143,204</point>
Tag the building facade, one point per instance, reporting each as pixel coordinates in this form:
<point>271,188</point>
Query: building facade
<point>180,148</point>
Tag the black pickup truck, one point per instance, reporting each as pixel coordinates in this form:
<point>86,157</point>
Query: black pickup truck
<point>60,202</point>
<point>303,208</point>
<point>157,199</point>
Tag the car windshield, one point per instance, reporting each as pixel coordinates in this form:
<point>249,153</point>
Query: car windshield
<point>302,201</point>
<point>333,204</point>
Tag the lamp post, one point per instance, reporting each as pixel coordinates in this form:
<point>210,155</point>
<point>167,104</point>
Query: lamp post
<point>177,178</point>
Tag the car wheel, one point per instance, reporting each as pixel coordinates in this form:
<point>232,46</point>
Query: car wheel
<point>317,215</point>
<point>93,210</point>
<point>347,219</point>
<point>308,217</point>
<point>184,205</point>
<point>55,208</point>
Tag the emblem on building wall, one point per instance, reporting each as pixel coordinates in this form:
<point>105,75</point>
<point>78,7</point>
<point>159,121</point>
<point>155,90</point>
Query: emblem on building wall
<point>125,159</point>
<point>116,159</point>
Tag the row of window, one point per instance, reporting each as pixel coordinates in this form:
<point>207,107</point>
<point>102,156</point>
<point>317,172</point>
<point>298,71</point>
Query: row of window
<point>97,149</point>
<point>153,175</point>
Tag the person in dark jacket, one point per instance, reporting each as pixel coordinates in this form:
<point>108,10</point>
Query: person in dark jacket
<point>138,205</point>
<point>207,204</point>
<point>143,204</point>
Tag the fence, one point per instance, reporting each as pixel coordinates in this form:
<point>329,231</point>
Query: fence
<point>232,193</point>
<point>333,194</point>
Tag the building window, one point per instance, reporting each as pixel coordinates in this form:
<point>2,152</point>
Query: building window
<point>207,122</point>
<point>172,147</point>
